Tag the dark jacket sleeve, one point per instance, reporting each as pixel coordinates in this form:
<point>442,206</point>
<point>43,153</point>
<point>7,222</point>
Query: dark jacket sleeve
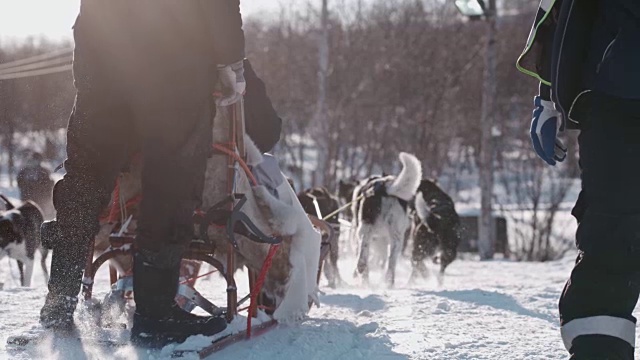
<point>544,44</point>
<point>226,28</point>
<point>571,45</point>
<point>632,7</point>
<point>262,122</point>
<point>617,53</point>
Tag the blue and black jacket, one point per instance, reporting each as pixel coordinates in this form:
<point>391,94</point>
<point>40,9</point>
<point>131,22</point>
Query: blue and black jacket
<point>578,46</point>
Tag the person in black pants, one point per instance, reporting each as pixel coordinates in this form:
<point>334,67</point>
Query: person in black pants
<point>145,72</point>
<point>586,56</point>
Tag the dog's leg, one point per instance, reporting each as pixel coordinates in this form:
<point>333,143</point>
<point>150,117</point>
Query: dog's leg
<point>330,267</point>
<point>21,269</point>
<point>394,250</point>
<point>333,258</point>
<point>28,272</point>
<point>43,262</point>
<point>449,248</point>
<point>423,247</point>
<point>351,237</point>
<point>419,271</point>
<point>353,229</point>
<point>364,237</point>
<point>381,253</point>
<point>409,237</point>
<point>329,272</point>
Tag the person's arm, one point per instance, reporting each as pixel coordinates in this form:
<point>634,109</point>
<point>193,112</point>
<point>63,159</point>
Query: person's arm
<point>226,26</point>
<point>228,46</point>
<point>262,121</point>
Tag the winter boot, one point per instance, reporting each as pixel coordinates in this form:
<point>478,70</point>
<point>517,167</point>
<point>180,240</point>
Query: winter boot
<point>67,265</point>
<point>600,347</point>
<point>57,312</point>
<point>158,320</point>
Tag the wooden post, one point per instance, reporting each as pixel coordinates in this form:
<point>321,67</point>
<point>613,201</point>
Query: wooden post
<point>319,125</point>
<point>486,168</point>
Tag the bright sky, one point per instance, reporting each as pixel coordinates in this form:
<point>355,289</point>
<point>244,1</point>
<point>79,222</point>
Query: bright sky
<point>21,18</point>
<point>54,18</point>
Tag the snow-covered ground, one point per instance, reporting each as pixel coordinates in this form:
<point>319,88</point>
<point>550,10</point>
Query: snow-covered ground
<point>484,310</point>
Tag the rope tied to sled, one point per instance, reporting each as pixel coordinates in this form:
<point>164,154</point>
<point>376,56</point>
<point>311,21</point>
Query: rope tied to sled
<point>341,208</point>
<point>371,191</point>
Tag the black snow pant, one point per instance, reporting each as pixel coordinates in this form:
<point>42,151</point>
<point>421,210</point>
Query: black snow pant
<point>597,303</point>
<point>144,77</point>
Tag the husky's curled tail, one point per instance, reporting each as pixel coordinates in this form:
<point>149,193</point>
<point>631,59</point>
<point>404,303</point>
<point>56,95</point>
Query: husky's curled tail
<point>405,185</point>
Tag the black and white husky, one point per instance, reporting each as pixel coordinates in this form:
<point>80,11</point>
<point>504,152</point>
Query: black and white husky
<point>436,229</point>
<point>381,216</point>
<point>20,238</point>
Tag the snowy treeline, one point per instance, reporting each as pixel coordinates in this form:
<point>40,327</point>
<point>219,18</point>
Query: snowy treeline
<point>403,75</point>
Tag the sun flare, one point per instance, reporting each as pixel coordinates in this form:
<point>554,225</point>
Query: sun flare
<point>23,18</point>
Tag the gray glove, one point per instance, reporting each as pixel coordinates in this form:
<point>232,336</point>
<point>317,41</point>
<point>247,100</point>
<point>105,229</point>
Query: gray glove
<point>232,83</point>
